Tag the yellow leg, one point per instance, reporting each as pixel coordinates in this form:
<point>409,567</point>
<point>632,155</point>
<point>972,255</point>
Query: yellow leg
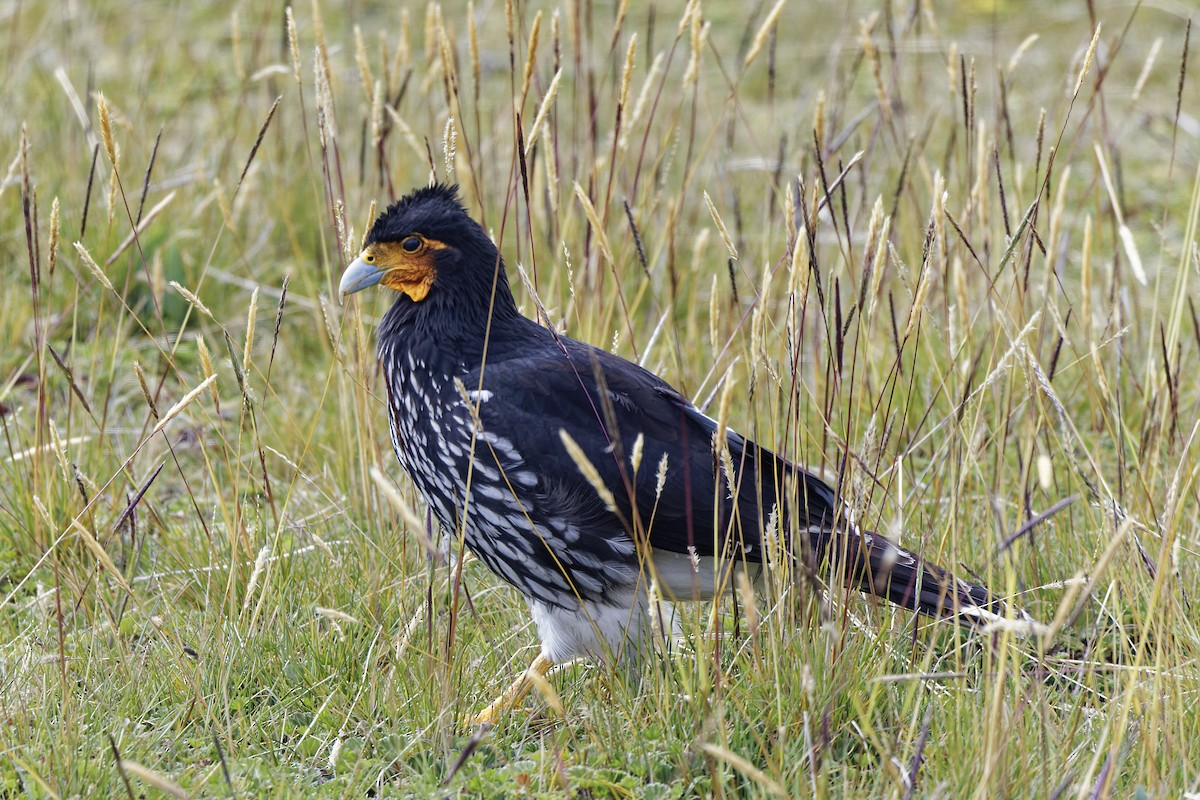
<point>540,666</point>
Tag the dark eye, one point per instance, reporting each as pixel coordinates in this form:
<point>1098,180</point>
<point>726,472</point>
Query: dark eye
<point>411,244</point>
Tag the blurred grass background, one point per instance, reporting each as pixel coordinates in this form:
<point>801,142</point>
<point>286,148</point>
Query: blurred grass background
<point>958,273</point>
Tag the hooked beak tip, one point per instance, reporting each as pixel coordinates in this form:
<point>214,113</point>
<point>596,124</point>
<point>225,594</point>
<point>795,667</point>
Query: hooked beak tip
<point>358,276</point>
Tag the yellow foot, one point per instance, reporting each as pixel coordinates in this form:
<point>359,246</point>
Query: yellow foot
<point>536,674</point>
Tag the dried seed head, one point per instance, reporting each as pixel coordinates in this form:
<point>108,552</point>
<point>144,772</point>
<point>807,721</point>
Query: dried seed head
<point>60,450</point>
<point>543,112</point>
<point>141,378</point>
<point>622,12</point>
<point>594,219</point>
<point>867,44</point>
<point>764,31</point>
<point>749,601</point>
<point>293,43</point>
<point>639,107</point>
<point>789,212</point>
<point>431,26</point>
<point>328,315</point>
<point>627,72</point>
<point>924,278</point>
<point>183,403</point>
<point>693,7</point>
<point>322,48</point>
<point>52,246</point>
<point>43,512</point>
<point>879,262</point>
<point>403,49</point>
<point>326,123</point>
<point>377,115</point>
<point>699,33</point>
<point>248,349</point>
<point>447,56</point>
<point>798,271</point>
<point>192,299</point>
<point>712,209</point>
<point>106,130</point>
<point>1087,61</point>
<point>1020,51</point>
<point>364,67</point>
<point>339,226</point>
<point>449,146</point>
<point>260,563</point>
<point>91,264</point>
<point>530,58</point>
<point>556,37</point>
<point>206,365</point>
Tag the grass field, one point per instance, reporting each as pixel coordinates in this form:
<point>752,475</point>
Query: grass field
<point>945,253</point>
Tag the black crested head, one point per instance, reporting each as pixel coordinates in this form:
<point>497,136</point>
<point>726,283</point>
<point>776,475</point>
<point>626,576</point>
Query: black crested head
<point>433,211</point>
<point>446,265</point>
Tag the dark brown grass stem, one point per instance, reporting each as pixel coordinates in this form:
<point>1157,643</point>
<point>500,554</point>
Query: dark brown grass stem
<point>258,140</point>
<point>146,178</point>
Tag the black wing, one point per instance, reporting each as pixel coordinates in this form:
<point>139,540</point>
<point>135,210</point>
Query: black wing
<point>706,502</point>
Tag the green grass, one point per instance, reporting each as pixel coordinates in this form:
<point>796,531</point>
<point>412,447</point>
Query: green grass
<point>263,621</point>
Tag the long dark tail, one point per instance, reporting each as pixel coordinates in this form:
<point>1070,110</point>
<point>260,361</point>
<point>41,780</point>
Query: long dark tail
<point>838,550</point>
<point>878,566</point>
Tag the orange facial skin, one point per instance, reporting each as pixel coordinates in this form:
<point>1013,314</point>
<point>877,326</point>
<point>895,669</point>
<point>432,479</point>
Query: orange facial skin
<point>408,266</point>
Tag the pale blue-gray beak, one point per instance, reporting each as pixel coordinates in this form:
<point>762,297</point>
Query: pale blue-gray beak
<point>358,276</point>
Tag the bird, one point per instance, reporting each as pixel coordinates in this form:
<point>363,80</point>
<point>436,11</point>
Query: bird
<point>579,477</point>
